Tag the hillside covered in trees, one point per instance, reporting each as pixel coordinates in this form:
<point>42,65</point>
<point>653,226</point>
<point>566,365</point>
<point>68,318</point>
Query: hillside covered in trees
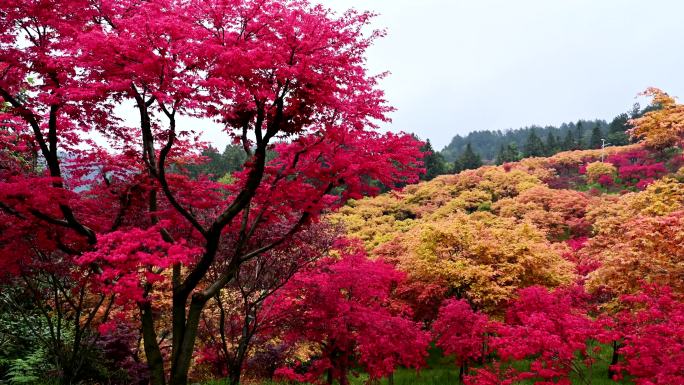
<point>309,250</point>
<point>569,262</point>
<point>512,144</point>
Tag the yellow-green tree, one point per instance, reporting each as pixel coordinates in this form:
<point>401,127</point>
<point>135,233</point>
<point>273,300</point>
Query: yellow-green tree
<point>482,257</point>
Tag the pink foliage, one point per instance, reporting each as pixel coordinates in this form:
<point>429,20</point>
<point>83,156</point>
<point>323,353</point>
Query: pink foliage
<point>578,243</point>
<point>344,307</point>
<point>652,331</point>
<point>461,331</point>
<point>637,168</point>
<point>605,180</point>
<point>549,328</point>
<point>287,79</point>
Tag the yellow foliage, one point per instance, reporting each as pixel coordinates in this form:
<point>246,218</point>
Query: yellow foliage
<point>539,167</point>
<point>376,220</point>
<point>467,201</point>
<point>483,257</point>
<point>502,184</point>
<point>551,210</point>
<point>645,249</point>
<point>663,127</point>
<point>575,158</point>
<point>596,169</point>
<point>660,198</point>
<point>379,220</point>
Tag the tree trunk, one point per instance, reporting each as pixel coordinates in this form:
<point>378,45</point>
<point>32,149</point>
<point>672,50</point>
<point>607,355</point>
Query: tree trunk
<point>344,378</point>
<point>614,360</point>
<point>155,362</point>
<point>234,374</point>
<point>329,380</point>
<point>181,366</point>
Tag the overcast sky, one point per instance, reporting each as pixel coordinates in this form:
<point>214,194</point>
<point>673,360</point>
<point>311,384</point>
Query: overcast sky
<point>459,66</point>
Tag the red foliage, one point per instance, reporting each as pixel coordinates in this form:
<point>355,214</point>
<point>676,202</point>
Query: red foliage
<point>424,298</point>
<point>461,331</point>
<point>283,77</point>
<point>637,168</point>
<point>652,332</point>
<point>606,180</point>
<point>343,308</point>
<point>583,265</point>
<point>549,328</point>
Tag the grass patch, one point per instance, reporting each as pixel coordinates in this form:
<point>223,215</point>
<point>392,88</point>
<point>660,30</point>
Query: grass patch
<point>441,370</point>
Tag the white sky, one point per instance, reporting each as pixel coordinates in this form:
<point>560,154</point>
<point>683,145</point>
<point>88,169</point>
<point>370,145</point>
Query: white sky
<point>459,66</point>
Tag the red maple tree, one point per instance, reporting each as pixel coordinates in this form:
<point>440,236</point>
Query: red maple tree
<point>286,79</point>
<point>344,310</point>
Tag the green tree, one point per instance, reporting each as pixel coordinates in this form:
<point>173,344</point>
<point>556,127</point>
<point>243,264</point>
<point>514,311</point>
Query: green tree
<point>500,155</point>
<point>616,130</point>
<point>468,160</point>
<point>217,164</point>
<point>234,157</point>
<point>533,146</point>
<point>569,141</point>
<point>551,144</point>
<point>433,161</point>
<point>579,142</point>
<point>508,153</point>
<point>596,136</point>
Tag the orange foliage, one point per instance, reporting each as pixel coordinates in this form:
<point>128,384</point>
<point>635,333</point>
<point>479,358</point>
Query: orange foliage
<point>596,169</point>
<point>649,249</point>
<point>482,257</point>
<point>558,212</point>
<point>663,127</point>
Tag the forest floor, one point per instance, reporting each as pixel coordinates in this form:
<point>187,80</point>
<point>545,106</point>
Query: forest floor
<point>441,370</point>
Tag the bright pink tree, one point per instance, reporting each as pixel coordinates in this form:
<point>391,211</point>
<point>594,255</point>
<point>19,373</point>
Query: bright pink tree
<point>462,332</point>
<point>344,309</point>
<point>550,328</point>
<point>652,331</point>
<point>241,323</point>
<point>280,76</point>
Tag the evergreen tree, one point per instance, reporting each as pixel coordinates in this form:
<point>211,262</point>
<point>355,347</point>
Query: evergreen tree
<point>569,141</point>
<point>533,146</point>
<point>551,144</point>
<point>500,156</point>
<point>468,160</point>
<point>433,162</point>
<point>616,130</point>
<point>579,142</point>
<point>596,136</point>
<point>457,166</point>
<point>512,152</point>
<point>234,157</point>
<point>508,153</point>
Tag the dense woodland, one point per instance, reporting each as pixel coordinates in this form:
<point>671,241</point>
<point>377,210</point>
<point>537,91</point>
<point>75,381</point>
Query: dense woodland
<point>309,250</point>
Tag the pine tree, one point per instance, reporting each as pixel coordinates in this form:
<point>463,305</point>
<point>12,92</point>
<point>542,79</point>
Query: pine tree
<point>534,146</point>
<point>468,160</point>
<point>433,162</point>
<point>579,142</point>
<point>616,129</point>
<point>508,153</point>
<point>569,141</point>
<point>596,135</point>
<point>551,144</point>
<point>500,156</point>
